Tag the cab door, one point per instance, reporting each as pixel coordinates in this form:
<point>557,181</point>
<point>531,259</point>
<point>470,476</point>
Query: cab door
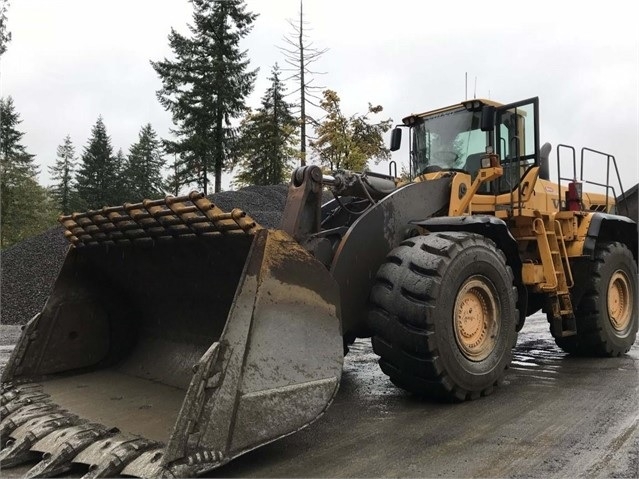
<point>517,141</point>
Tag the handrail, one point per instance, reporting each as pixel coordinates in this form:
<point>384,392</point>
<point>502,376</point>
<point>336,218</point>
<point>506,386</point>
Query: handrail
<point>607,186</point>
<point>517,159</point>
<point>392,164</point>
<point>564,254</point>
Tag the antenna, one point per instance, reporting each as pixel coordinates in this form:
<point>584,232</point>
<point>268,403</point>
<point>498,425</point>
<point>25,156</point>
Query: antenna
<point>466,87</point>
<point>475,91</point>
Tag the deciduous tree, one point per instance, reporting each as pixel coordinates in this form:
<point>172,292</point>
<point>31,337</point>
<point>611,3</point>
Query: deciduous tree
<point>349,142</point>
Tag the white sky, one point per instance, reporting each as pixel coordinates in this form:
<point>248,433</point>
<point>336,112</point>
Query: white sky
<point>72,60</point>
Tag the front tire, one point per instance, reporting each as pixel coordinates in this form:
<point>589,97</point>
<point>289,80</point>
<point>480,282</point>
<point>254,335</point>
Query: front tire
<point>443,315</point>
<point>607,313</point>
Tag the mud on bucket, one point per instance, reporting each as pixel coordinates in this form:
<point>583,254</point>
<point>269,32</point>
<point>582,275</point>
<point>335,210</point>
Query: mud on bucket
<point>196,349</point>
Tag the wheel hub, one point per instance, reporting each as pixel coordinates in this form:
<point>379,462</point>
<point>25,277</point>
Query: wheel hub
<point>619,301</point>
<point>476,318</point>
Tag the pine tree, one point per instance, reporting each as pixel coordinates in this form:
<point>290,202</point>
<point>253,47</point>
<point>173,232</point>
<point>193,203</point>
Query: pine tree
<point>349,142</point>
<point>143,171</point>
<point>24,206</point>
<point>267,139</point>
<point>5,35</point>
<point>204,88</point>
<point>98,175</point>
<point>121,193</point>
<point>62,172</point>
<point>173,182</point>
<point>14,155</point>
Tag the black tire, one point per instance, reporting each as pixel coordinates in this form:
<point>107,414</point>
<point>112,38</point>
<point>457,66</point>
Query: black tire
<point>411,315</point>
<point>568,344</point>
<point>603,329</point>
<point>348,340</point>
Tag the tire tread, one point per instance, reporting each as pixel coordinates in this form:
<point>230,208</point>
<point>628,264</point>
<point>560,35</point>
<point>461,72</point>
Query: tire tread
<point>402,333</point>
<point>593,338</point>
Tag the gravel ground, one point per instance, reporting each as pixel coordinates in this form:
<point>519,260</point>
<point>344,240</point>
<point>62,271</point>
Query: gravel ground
<point>555,417</point>
<point>29,268</point>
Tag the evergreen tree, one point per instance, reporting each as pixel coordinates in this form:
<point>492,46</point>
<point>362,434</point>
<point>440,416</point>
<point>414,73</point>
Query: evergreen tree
<point>98,176</point>
<point>349,142</point>
<point>204,88</point>
<point>173,181</point>
<point>14,155</point>
<point>62,190</point>
<point>5,35</point>
<point>24,206</point>
<point>143,171</point>
<point>121,193</point>
<point>267,139</point>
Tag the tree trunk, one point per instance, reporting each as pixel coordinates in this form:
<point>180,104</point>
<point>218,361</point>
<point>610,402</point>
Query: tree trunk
<point>302,94</point>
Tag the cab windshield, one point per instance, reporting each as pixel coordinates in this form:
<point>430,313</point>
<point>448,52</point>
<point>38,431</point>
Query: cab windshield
<point>449,140</point>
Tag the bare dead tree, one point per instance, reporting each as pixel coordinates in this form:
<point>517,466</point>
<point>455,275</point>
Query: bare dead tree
<point>300,54</point>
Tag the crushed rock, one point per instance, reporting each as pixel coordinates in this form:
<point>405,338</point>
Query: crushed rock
<point>28,269</point>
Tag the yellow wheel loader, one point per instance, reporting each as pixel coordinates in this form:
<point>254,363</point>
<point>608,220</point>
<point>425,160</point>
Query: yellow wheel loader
<point>179,336</point>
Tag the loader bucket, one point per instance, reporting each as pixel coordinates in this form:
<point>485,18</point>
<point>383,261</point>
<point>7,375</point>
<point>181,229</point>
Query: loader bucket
<point>169,355</point>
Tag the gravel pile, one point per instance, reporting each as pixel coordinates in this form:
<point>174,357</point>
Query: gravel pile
<point>27,272</point>
<point>263,203</point>
<point>29,268</point>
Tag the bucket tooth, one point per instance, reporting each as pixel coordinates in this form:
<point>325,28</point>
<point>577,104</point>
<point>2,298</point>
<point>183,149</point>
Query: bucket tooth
<point>23,415</point>
<point>21,400</point>
<point>108,457</point>
<point>60,448</point>
<point>24,437</point>
<point>9,393</point>
<point>6,387</point>
<point>148,464</point>
<point>11,457</point>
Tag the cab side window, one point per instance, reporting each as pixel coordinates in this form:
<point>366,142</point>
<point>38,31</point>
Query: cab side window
<point>516,144</point>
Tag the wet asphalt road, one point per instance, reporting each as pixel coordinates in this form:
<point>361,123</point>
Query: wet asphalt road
<point>555,416</point>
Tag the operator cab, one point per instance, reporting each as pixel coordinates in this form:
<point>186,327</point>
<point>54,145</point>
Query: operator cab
<point>455,138</point>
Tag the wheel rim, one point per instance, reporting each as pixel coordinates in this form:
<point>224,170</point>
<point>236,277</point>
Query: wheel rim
<point>476,318</point>
<point>619,301</point>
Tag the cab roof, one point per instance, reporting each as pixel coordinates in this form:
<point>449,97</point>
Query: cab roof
<point>473,104</point>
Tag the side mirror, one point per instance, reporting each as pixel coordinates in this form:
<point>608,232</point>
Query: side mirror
<point>396,139</point>
<point>488,118</point>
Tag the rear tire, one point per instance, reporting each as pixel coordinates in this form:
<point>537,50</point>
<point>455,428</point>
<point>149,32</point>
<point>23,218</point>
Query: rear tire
<point>443,315</point>
<point>607,313</point>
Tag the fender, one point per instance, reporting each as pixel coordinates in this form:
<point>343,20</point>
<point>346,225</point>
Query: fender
<point>607,227</point>
<point>371,237</point>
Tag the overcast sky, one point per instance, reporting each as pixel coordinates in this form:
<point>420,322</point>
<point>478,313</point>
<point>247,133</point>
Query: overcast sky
<point>72,60</point>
